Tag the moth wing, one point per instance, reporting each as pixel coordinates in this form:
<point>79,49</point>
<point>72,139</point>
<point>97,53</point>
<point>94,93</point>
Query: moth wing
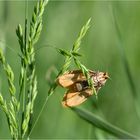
<point>69,78</point>
<point>72,98</point>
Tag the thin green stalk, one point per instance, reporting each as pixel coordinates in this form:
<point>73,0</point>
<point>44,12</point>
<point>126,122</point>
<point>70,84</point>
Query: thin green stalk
<point>50,93</point>
<point>104,125</point>
<point>23,92</point>
<point>25,73</point>
<point>25,40</point>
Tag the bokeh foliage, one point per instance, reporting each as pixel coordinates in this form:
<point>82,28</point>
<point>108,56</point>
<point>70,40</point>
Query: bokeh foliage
<point>62,22</point>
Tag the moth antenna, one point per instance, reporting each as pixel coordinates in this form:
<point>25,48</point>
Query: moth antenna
<point>109,78</point>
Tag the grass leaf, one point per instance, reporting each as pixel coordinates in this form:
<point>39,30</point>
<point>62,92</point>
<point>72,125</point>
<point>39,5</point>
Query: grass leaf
<point>104,125</point>
<point>126,63</point>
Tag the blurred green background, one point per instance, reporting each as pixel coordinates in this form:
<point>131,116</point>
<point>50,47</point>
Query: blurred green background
<point>102,50</point>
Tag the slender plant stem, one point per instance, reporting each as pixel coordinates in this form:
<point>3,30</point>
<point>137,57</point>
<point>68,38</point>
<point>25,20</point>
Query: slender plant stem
<point>50,93</point>
<point>23,100</point>
<point>25,39</point>
<point>25,72</point>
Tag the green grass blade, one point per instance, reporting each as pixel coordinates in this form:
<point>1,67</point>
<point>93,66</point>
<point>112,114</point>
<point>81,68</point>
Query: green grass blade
<point>126,64</point>
<point>123,55</point>
<point>104,125</point>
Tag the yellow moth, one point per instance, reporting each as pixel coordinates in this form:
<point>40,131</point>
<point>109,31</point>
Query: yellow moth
<point>77,85</point>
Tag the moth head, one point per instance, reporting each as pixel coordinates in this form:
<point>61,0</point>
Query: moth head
<point>99,79</point>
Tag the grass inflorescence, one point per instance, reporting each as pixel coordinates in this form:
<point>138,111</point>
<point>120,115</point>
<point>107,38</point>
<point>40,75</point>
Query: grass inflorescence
<point>19,109</point>
<point>12,107</point>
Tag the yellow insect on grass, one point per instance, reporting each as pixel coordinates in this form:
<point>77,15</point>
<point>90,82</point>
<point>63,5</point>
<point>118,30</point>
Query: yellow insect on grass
<point>78,87</point>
